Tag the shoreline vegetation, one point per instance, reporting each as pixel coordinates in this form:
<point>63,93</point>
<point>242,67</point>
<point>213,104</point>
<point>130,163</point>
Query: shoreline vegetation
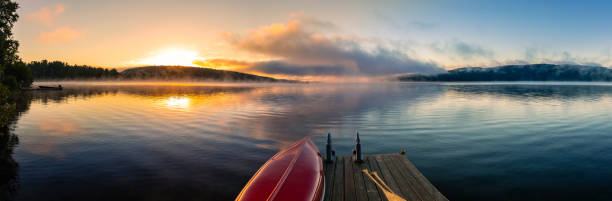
<point>531,72</point>
<point>14,75</point>
<point>57,71</point>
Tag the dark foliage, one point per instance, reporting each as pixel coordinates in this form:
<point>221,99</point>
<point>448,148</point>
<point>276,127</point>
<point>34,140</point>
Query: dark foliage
<point>10,72</point>
<point>18,75</point>
<point>57,70</point>
<point>13,75</point>
<point>8,46</point>
<point>534,72</point>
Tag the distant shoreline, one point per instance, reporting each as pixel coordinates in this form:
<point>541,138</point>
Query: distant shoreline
<point>533,72</point>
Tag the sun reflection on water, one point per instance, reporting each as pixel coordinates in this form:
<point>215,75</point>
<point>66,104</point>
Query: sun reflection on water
<point>178,102</point>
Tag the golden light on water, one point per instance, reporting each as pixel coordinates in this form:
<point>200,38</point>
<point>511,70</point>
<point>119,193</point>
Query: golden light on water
<point>178,102</point>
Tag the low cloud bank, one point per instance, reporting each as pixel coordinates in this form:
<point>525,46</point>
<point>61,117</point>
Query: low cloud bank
<point>300,49</point>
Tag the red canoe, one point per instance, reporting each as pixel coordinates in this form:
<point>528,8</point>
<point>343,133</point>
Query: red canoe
<point>293,174</point>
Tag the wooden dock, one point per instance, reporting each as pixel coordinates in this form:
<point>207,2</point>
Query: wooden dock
<point>398,180</point>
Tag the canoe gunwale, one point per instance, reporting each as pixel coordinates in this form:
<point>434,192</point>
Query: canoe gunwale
<point>292,160</point>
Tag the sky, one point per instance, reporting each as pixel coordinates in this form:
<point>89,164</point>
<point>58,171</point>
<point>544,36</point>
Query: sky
<point>306,39</point>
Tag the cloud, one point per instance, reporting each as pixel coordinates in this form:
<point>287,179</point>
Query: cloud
<point>422,25</point>
<point>279,67</point>
<point>284,68</point>
<point>403,24</point>
<point>313,22</point>
<point>273,67</point>
<point>302,51</point>
<point>60,35</point>
<point>593,64</point>
<point>543,55</point>
<point>464,50</point>
<point>46,16</point>
<point>531,54</point>
<point>468,51</point>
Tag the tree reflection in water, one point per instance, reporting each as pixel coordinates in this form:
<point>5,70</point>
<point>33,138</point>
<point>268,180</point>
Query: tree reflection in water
<point>19,103</point>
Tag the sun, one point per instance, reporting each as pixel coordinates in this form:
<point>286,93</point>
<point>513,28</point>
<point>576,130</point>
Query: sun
<point>171,57</point>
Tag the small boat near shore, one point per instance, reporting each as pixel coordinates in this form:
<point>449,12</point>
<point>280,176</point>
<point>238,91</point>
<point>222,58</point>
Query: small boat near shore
<point>295,173</point>
<point>59,87</point>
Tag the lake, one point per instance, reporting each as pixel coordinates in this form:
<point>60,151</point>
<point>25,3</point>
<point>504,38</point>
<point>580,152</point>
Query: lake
<point>190,141</point>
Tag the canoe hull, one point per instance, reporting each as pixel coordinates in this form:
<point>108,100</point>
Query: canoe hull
<point>293,174</point>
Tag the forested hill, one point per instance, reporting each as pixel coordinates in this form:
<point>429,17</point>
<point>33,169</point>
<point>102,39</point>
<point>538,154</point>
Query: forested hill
<point>57,70</point>
<point>532,72</point>
<point>190,73</point>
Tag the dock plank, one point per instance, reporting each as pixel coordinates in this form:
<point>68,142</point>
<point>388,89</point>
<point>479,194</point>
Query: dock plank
<point>394,180</point>
<point>374,168</point>
<point>338,191</point>
<point>360,188</point>
<point>386,175</point>
<point>329,180</point>
<point>370,188</point>
<point>345,180</point>
<point>349,180</point>
<point>404,186</point>
<point>409,178</point>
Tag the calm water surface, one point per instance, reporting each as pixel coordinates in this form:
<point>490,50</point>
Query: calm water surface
<point>478,141</point>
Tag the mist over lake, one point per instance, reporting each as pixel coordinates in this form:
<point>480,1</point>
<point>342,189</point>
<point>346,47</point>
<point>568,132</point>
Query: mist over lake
<point>152,141</point>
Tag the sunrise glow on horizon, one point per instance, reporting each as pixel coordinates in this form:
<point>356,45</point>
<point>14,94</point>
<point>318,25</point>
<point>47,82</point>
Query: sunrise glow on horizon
<point>170,57</point>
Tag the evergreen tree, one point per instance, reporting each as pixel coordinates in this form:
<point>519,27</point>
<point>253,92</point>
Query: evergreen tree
<point>57,70</point>
<point>8,46</point>
<point>13,72</point>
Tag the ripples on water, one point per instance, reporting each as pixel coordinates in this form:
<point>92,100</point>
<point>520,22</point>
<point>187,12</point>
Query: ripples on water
<point>483,141</point>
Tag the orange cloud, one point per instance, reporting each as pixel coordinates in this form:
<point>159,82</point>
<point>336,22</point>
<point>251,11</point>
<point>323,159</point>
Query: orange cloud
<point>60,35</point>
<point>46,15</point>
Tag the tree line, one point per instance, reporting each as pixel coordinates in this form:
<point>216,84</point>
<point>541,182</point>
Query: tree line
<point>54,70</point>
<point>532,72</point>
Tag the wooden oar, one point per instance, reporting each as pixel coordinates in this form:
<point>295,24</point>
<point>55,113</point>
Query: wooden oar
<point>391,196</point>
